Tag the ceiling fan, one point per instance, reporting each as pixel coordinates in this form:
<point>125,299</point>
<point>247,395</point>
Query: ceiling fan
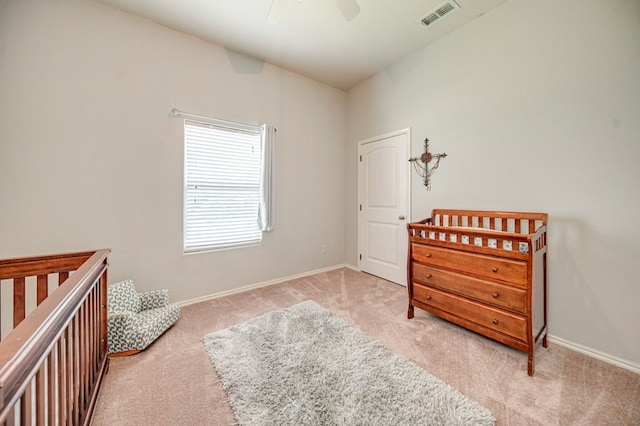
<point>349,9</point>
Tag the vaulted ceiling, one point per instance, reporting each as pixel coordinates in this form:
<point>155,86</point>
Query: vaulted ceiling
<point>312,37</point>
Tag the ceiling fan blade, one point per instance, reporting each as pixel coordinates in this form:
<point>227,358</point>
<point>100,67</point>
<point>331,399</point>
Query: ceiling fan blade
<point>349,8</point>
<point>276,11</point>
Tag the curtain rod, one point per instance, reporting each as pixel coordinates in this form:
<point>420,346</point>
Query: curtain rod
<point>177,113</point>
<point>225,123</point>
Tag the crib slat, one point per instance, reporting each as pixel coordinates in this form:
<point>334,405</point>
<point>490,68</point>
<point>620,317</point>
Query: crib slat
<point>103,308</point>
<point>96,327</point>
<point>25,406</point>
<point>51,386</point>
<point>18,301</point>
<point>90,337</point>
<point>83,364</point>
<point>40,396</point>
<point>62,378</point>
<point>43,288</point>
<point>69,372</point>
<point>76,369</point>
<point>11,417</point>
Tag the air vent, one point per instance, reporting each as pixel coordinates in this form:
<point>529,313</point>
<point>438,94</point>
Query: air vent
<point>439,12</point>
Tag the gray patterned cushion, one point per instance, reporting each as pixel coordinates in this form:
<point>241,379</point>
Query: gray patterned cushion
<point>154,299</point>
<point>129,330</point>
<point>123,297</point>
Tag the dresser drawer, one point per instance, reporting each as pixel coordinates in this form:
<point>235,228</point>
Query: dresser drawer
<point>504,296</point>
<point>508,270</point>
<point>486,316</point>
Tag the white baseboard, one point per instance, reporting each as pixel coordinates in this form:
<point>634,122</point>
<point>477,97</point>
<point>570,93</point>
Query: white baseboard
<point>262,284</point>
<point>354,268</point>
<point>628,365</point>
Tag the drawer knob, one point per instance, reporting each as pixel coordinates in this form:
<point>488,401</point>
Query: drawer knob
<point>495,295</point>
<point>429,275</point>
<point>495,321</point>
<point>494,269</point>
<point>428,297</point>
<point>427,255</point>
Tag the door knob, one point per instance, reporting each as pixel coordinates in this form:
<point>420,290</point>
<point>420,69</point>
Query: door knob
<point>401,217</point>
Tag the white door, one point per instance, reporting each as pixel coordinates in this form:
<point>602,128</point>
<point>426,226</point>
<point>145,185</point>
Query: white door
<point>384,205</point>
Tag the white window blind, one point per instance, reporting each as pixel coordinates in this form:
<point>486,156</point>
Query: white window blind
<point>222,185</point>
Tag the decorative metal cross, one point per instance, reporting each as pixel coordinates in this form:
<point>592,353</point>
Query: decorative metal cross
<point>423,170</point>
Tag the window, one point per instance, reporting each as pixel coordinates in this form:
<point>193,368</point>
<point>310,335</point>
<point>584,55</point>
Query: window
<point>223,185</point>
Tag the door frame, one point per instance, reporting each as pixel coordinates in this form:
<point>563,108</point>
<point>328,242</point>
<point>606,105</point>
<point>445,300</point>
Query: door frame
<point>407,132</point>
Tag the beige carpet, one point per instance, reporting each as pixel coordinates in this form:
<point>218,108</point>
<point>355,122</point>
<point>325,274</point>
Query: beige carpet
<point>172,382</point>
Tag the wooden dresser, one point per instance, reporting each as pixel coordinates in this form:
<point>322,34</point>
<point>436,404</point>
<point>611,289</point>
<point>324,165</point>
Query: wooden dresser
<point>483,270</point>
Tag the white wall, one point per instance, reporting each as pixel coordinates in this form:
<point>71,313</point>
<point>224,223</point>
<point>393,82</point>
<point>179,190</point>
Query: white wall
<point>537,105</point>
<point>90,158</point>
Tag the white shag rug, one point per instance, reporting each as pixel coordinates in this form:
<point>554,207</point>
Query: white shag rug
<point>305,366</point>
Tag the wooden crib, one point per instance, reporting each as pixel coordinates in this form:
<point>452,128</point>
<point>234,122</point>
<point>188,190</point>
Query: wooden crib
<point>53,351</point>
<point>483,270</point>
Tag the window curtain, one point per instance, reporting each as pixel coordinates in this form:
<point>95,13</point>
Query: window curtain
<point>267,169</point>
